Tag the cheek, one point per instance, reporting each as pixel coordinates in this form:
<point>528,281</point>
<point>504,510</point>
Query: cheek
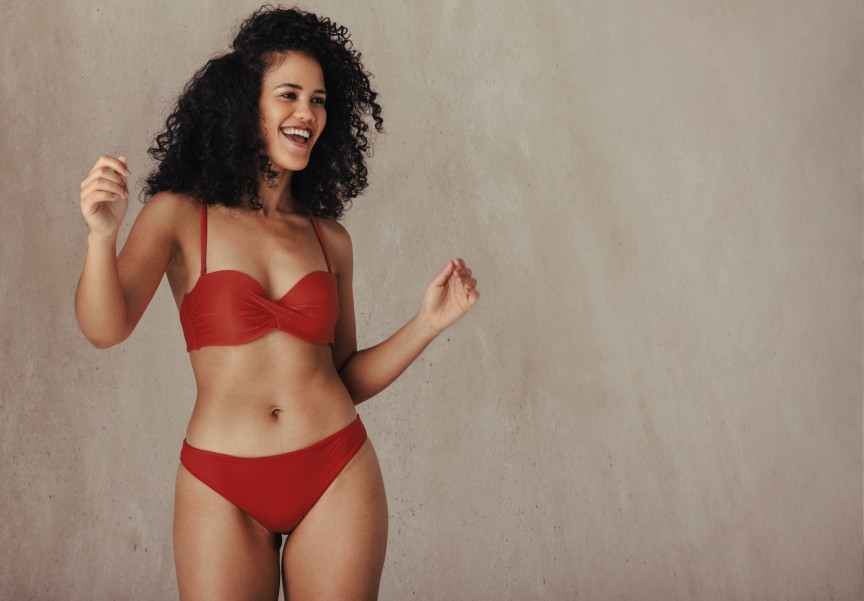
<point>267,112</point>
<point>322,123</point>
<point>268,124</point>
<point>262,120</point>
<point>262,133</point>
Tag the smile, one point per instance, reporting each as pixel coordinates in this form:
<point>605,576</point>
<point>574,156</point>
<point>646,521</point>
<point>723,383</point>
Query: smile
<point>298,135</point>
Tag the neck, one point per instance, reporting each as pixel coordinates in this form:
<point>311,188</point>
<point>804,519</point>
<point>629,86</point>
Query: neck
<point>275,195</point>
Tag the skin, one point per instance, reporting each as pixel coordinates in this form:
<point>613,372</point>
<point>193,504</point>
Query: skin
<point>275,394</point>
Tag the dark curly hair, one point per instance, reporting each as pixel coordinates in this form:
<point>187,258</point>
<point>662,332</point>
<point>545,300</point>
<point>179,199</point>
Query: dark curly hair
<point>211,147</point>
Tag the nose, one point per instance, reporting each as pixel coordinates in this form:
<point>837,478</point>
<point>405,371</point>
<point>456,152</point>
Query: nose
<point>303,111</point>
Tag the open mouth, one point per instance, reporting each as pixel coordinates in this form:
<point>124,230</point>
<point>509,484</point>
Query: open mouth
<point>298,135</point>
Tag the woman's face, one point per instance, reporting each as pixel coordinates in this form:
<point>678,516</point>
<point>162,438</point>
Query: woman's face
<point>292,111</point>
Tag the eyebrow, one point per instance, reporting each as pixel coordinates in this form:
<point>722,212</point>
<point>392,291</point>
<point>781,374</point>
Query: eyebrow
<point>296,87</point>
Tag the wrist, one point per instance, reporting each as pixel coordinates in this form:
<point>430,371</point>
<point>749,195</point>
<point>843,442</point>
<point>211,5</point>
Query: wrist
<point>424,328</point>
<point>102,240</point>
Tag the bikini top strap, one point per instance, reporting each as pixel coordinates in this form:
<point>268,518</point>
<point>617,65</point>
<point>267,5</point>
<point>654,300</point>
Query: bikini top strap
<point>320,239</point>
<point>203,237</point>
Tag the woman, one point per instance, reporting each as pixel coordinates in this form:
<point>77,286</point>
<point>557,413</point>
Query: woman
<point>265,148</point>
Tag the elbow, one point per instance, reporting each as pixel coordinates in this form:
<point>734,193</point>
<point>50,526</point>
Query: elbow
<point>100,343</point>
<point>350,374</point>
<point>355,392</point>
<point>102,338</point>
<point>103,342</point>
<point>355,397</point>
<point>358,397</point>
<point>102,333</point>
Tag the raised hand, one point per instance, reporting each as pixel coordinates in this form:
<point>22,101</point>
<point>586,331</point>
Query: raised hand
<point>449,296</point>
<point>105,196</point>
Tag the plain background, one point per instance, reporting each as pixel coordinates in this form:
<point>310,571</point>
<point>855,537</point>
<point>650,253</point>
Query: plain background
<point>659,395</point>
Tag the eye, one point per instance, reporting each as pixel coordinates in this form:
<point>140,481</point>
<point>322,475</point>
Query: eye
<point>319,100</point>
<point>290,95</point>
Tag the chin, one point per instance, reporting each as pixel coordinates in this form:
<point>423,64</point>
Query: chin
<point>292,166</point>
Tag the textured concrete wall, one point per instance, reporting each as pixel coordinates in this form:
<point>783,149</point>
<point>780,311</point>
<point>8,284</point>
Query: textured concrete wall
<point>659,394</point>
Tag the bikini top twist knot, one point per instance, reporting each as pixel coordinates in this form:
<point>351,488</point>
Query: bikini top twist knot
<point>229,307</point>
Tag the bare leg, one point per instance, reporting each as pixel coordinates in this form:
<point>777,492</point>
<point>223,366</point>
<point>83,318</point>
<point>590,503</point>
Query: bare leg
<point>219,551</point>
<point>337,551</point>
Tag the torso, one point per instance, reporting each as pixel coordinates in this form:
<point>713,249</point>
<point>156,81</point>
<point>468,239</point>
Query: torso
<point>277,393</point>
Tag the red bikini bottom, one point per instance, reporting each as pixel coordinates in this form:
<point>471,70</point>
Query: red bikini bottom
<point>277,490</point>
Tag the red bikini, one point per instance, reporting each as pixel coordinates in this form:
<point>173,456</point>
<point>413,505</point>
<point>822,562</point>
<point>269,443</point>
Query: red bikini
<point>227,308</point>
<point>277,490</point>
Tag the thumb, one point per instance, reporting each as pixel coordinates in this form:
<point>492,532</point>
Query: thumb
<point>444,274</point>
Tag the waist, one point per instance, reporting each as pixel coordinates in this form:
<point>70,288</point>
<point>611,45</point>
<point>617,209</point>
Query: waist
<point>354,431</point>
<point>263,406</point>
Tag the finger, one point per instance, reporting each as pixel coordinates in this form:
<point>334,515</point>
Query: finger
<point>464,275</point>
<point>467,287</point>
<point>101,196</point>
<point>444,274</point>
<point>113,185</point>
<point>117,164</point>
<point>104,173</point>
<point>461,266</point>
<point>104,185</point>
<point>90,208</point>
<point>94,197</point>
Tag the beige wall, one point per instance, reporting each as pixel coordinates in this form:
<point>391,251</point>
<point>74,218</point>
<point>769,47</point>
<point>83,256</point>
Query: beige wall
<point>659,395</point>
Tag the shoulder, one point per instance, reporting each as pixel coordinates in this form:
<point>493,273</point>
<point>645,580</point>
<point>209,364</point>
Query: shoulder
<point>166,219</point>
<point>171,204</point>
<point>338,242</point>
<point>335,234</point>
<point>168,210</point>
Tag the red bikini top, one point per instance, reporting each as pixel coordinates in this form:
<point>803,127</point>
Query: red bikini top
<point>229,307</point>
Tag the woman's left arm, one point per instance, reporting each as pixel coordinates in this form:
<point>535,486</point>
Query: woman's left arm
<point>367,372</point>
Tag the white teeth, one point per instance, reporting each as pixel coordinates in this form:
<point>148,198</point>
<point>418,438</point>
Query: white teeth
<point>293,131</point>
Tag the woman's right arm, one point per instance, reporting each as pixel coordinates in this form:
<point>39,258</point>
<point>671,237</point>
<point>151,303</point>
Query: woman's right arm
<point>114,290</point>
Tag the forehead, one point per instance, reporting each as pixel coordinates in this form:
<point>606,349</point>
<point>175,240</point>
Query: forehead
<point>294,67</point>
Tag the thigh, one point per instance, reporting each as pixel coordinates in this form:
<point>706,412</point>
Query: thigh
<point>337,551</point>
<point>219,551</point>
